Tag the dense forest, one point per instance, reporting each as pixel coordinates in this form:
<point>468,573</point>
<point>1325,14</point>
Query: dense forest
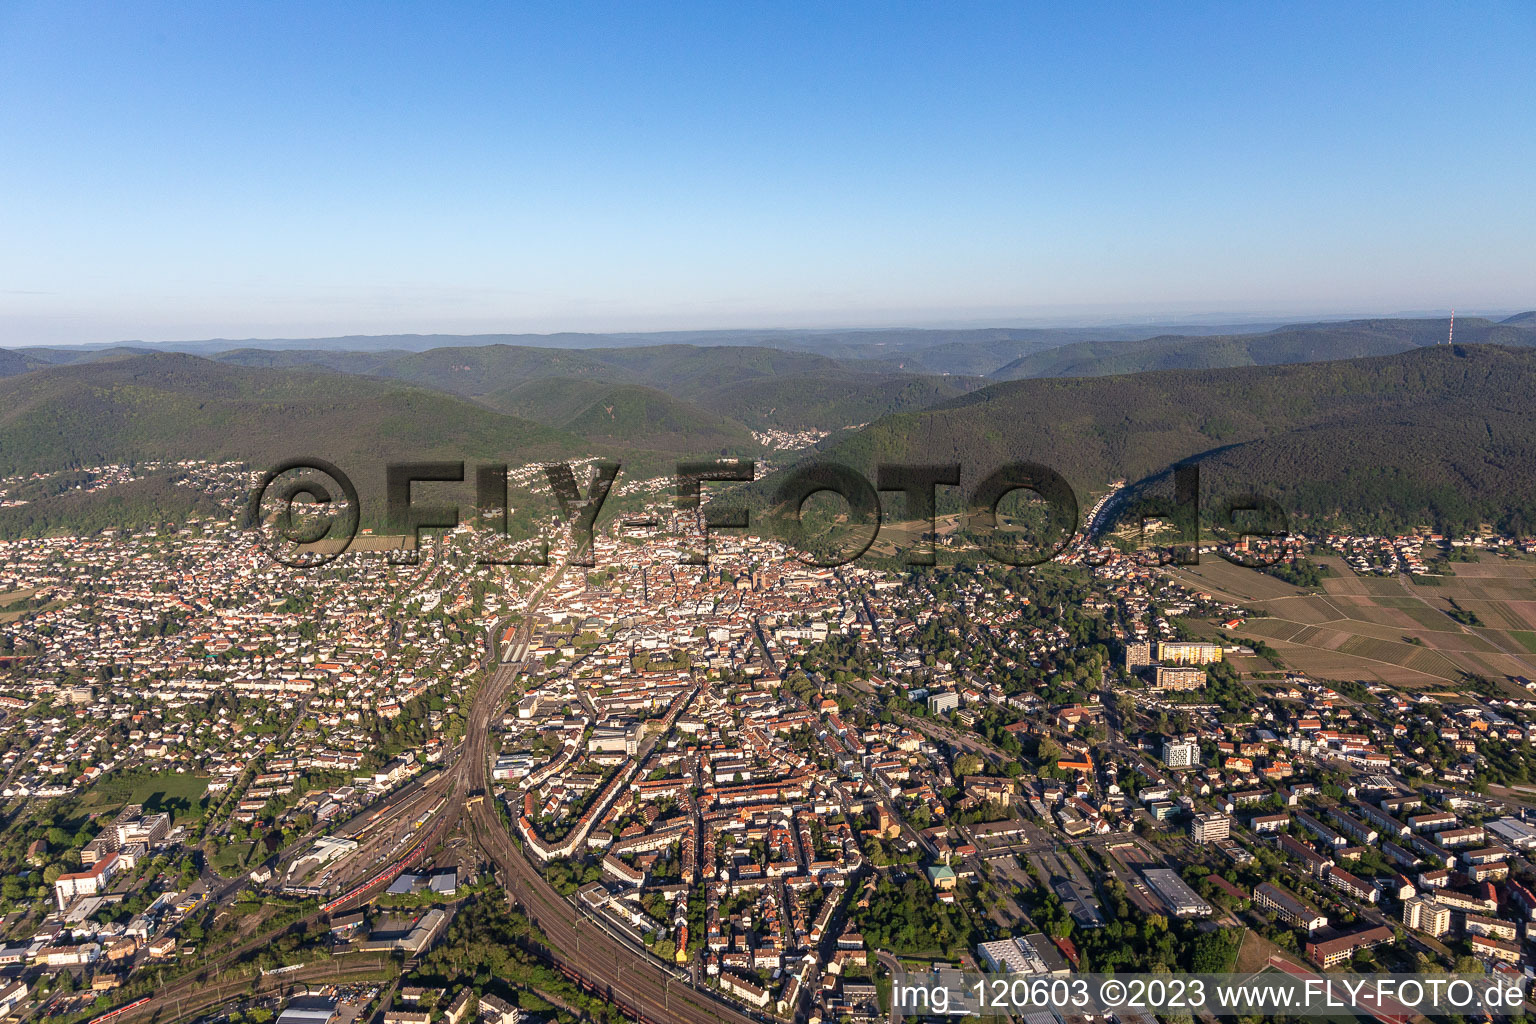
<point>1303,343</point>
<point>1438,435</point>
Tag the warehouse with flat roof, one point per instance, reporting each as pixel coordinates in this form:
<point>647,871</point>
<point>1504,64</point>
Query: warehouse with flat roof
<point>1028,954</point>
<point>1177,896</point>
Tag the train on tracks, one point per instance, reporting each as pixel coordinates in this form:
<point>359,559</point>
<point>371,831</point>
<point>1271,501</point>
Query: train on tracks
<point>412,856</point>
<point>114,1014</point>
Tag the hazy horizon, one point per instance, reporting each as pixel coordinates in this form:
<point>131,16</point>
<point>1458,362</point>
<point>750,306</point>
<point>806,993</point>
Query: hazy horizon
<point>1216,318</point>
<point>293,171</point>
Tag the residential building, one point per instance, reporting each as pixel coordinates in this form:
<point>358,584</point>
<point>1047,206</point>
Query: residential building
<point>1181,753</point>
<point>939,703</point>
<point>1334,952</point>
<point>1177,678</point>
<point>1426,915</point>
<point>496,1010</point>
<point>1182,652</point>
<point>1207,828</point>
<point>1289,907</point>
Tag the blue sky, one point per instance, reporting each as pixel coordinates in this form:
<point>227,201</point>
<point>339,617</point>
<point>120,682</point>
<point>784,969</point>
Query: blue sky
<point>186,171</point>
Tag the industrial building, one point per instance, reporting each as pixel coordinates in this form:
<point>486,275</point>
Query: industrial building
<point>1177,896</point>
<point>1031,954</point>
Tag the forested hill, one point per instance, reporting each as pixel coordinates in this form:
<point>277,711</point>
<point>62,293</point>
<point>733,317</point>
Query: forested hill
<point>1438,434</point>
<point>172,407</point>
<point>751,386</point>
<point>1301,343</point>
<point>965,351</point>
<point>624,415</point>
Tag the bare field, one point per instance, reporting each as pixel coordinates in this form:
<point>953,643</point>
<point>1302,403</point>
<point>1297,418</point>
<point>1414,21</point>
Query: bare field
<point>1406,655</point>
<point>1497,590</point>
<point>1347,651</point>
<point>1430,618</point>
<point>1493,614</point>
<point>1310,609</point>
<point>380,542</point>
<point>10,614</point>
<point>1337,653</point>
<point>1310,636</point>
<point>1387,627</point>
<point>1515,568</point>
<point>1397,612</point>
<point>1270,629</point>
<point>1253,955</point>
<point>1525,611</point>
<point>1326,639</point>
<point>1458,642</point>
<point>1496,666</point>
<point>1383,629</point>
<point>1336,564</point>
<point>362,542</point>
<point>900,535</point>
<point>1345,586</point>
<point>1221,577</point>
<point>1132,855</point>
<point>1323,664</point>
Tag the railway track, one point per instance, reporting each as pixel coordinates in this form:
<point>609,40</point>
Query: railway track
<point>589,956</point>
<point>599,963</point>
<point>172,1007</point>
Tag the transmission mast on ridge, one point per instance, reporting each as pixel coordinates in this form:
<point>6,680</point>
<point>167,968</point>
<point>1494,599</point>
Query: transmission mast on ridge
<point>1452,336</point>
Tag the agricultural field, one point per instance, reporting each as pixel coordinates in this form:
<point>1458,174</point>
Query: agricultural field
<point>1234,582</point>
<point>1390,630</point>
<point>9,602</point>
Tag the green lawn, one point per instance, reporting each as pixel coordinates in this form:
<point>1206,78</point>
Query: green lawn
<point>230,860</point>
<point>173,791</point>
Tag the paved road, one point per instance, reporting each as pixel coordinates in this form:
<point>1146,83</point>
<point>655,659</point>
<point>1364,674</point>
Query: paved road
<point>891,964</point>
